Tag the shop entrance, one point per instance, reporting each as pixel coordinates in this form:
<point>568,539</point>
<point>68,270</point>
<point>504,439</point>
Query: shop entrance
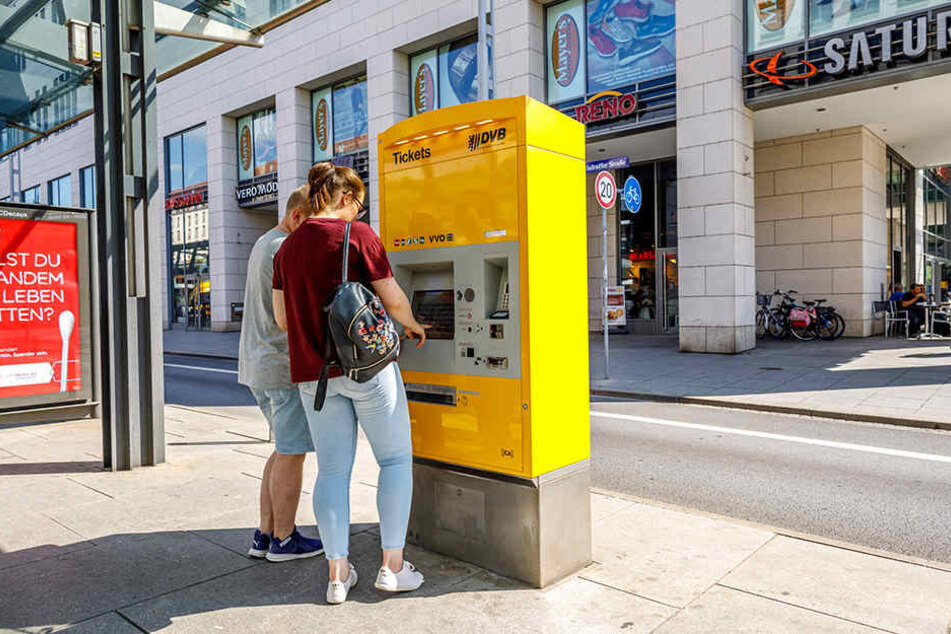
<point>647,246</point>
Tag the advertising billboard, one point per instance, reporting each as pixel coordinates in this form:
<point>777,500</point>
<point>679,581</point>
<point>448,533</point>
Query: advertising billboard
<point>829,16</point>
<point>458,73</point>
<point>773,23</point>
<point>424,83</point>
<point>566,50</point>
<point>321,104</point>
<point>245,148</point>
<point>350,118</point>
<point>629,41</point>
<point>265,142</point>
<point>43,351</point>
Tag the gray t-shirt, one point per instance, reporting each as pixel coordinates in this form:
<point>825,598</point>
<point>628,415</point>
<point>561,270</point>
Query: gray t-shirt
<point>263,360</point>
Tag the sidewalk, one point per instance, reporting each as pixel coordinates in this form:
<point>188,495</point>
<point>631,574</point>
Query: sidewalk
<point>883,380</point>
<point>202,343</point>
<point>163,548</point>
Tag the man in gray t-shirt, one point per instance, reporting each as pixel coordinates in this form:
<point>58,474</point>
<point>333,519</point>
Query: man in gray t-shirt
<point>265,367</point>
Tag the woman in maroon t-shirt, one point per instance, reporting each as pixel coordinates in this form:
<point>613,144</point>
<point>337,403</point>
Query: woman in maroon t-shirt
<point>307,269</point>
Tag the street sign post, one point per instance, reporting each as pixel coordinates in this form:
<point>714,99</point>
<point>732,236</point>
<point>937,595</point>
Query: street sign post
<point>605,189</point>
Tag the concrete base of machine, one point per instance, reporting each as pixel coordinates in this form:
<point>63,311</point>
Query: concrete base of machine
<point>536,530</point>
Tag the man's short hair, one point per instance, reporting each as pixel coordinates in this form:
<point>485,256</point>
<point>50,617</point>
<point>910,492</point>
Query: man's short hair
<point>298,199</point>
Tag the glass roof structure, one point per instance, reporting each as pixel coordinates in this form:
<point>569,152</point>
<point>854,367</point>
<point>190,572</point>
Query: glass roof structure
<point>41,90</point>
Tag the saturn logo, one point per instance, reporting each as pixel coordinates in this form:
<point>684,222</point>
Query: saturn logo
<point>768,67</point>
<point>246,153</point>
<point>565,50</point>
<point>774,13</point>
<point>424,89</point>
<point>320,125</point>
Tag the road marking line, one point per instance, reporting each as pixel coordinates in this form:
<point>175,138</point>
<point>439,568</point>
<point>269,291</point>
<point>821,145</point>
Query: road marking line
<point>762,434</point>
<point>198,367</point>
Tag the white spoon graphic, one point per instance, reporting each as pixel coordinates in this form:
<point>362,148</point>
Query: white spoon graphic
<point>66,322</point>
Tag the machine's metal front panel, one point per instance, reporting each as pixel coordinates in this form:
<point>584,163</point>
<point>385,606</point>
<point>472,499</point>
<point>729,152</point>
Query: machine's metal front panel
<point>481,282</point>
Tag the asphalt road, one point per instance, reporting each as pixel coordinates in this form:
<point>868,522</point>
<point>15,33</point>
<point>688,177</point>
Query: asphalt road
<point>880,486</point>
<point>874,485</point>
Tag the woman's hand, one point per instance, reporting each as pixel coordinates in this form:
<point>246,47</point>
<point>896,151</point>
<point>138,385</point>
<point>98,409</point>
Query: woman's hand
<point>416,331</point>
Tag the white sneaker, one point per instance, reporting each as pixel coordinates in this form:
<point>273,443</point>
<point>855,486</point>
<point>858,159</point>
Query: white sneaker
<point>337,590</point>
<point>405,580</point>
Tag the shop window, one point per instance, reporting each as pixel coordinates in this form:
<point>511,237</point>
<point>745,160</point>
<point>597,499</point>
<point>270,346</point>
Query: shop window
<point>59,191</point>
<point>340,127</point>
<point>31,195</point>
<point>445,76</point>
<point>186,160</point>
<point>257,158</point>
<point>87,187</point>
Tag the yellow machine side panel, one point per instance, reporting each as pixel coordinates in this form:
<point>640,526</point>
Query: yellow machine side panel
<point>484,430</point>
<point>557,289</point>
<point>549,129</point>
<point>471,200</point>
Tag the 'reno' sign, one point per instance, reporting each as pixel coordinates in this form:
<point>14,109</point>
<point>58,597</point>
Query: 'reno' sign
<point>605,189</point>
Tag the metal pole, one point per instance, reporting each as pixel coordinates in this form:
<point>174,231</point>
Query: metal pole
<point>486,33</point>
<point>604,288</point>
<point>127,179</point>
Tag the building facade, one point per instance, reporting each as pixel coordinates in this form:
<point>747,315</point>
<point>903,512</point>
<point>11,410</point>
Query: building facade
<point>755,145</point>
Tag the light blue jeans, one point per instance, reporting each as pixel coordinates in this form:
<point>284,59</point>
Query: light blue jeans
<point>380,407</point>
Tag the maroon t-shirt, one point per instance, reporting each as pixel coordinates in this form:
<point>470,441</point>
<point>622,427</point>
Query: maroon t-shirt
<point>307,268</point>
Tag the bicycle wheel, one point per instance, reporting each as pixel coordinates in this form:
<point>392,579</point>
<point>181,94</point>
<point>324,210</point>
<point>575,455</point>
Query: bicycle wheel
<point>841,323</point>
<point>827,326</point>
<point>761,324</point>
<point>804,333</point>
<point>777,324</point>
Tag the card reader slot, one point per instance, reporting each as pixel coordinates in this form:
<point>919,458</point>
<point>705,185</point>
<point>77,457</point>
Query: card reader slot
<point>427,393</point>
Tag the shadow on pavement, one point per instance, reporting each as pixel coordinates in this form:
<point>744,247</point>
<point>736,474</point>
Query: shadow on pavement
<point>41,468</point>
<point>151,579</point>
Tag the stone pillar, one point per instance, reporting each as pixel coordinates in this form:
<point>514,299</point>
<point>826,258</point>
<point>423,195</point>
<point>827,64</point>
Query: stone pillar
<point>294,151</point>
<point>820,220</point>
<point>388,94</point>
<point>519,49</point>
<point>715,181</point>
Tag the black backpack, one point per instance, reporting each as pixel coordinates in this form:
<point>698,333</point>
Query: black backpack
<point>360,337</point>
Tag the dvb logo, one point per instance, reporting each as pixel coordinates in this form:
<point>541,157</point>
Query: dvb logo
<point>489,136</point>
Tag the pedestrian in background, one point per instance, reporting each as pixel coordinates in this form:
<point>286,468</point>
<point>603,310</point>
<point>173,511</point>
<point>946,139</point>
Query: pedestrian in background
<point>264,366</point>
<point>307,271</point>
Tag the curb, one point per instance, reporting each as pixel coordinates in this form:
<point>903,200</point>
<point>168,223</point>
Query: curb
<point>776,409</point>
<point>202,355</point>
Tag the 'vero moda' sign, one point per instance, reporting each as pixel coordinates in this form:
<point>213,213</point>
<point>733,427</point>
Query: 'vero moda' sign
<point>917,42</point>
<point>39,308</point>
<point>260,190</point>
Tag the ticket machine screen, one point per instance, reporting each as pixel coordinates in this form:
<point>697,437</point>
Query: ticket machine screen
<point>435,309</point>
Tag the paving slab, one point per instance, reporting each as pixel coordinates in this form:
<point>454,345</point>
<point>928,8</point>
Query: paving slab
<point>27,537</point>
<point>603,506</point>
<point>110,623</point>
<point>290,597</point>
<point>726,611</point>
<point>878,592</point>
<point>120,570</point>
<point>575,605</point>
<point>668,556</point>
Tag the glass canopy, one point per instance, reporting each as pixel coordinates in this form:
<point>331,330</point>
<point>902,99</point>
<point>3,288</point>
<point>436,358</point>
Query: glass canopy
<point>41,90</point>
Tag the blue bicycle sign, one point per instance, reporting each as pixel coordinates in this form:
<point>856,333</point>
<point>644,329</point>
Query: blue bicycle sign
<point>632,195</point>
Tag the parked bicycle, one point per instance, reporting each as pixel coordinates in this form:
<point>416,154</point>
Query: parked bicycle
<point>806,321</point>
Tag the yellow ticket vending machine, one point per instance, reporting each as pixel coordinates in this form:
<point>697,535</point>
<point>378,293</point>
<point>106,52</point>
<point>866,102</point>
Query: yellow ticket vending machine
<point>483,214</point>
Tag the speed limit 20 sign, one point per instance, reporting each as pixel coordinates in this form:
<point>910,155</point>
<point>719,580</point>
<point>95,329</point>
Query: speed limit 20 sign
<point>605,189</point>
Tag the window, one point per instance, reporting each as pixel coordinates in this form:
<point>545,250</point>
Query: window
<point>595,46</point>
<point>87,187</point>
<point>339,121</point>
<point>5,199</point>
<point>186,160</point>
<point>445,76</point>
<point>257,144</point>
<point>60,191</point>
<point>31,195</point>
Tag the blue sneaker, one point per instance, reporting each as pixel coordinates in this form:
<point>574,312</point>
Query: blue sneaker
<point>294,546</point>
<point>259,545</point>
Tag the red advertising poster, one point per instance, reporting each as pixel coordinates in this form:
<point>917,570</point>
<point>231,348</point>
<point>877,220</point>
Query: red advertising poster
<point>39,308</point>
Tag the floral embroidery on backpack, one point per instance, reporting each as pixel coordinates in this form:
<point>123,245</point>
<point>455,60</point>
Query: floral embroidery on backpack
<point>380,337</point>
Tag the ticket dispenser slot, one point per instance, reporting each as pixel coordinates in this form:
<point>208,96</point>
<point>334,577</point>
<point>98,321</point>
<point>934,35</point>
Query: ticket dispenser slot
<point>482,215</point>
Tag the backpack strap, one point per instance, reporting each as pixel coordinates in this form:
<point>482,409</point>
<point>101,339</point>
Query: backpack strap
<point>324,379</point>
<point>346,253</point>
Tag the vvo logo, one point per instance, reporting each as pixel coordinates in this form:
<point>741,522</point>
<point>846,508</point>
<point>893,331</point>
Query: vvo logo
<point>477,140</point>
